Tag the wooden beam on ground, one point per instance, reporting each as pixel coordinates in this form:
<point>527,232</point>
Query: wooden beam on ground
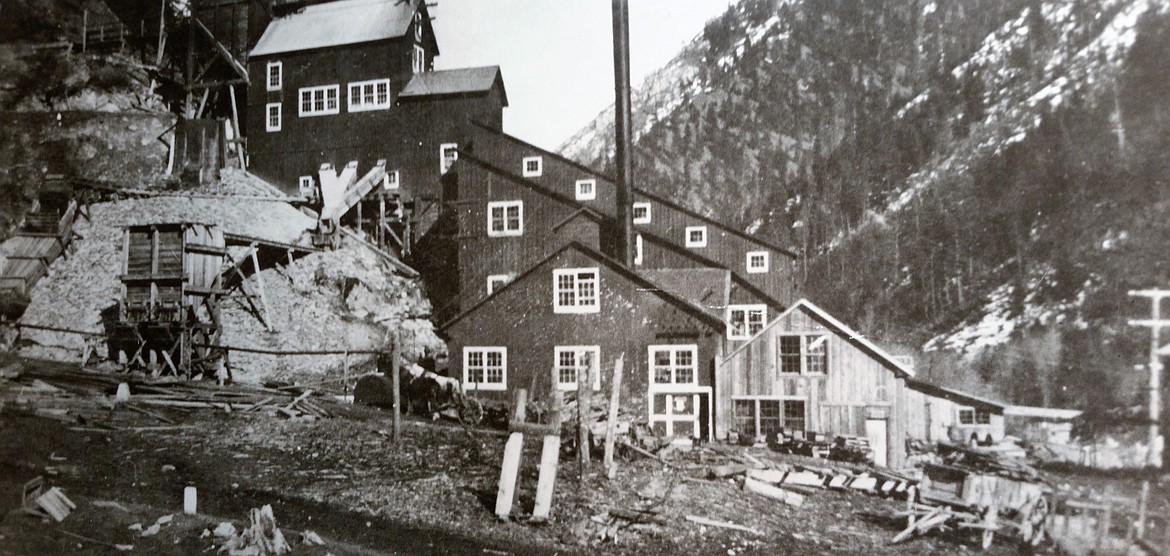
<point>723,524</point>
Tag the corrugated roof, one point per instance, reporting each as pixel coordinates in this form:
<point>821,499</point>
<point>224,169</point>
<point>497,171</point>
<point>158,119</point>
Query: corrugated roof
<point>453,82</point>
<point>335,24</point>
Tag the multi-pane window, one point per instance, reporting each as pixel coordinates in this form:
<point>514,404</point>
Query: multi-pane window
<point>674,365</point>
<point>532,166</point>
<point>744,413</point>
<point>505,218</point>
<point>305,184</point>
<point>369,95</point>
<point>275,72</point>
<point>485,368</point>
<point>768,416</point>
<point>418,59</point>
<point>575,290</point>
<point>497,281</point>
<point>641,213</point>
<point>448,154</point>
<point>757,262</point>
<point>319,101</point>
<point>696,236</point>
<point>391,180</point>
<point>794,415</point>
<point>570,361</point>
<point>803,354</point>
<point>586,190</point>
<point>638,249</point>
<point>272,119</point>
<point>744,321</point>
<point>974,416</point>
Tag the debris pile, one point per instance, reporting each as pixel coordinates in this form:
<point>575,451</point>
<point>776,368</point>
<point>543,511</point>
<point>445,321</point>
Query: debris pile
<point>261,538</point>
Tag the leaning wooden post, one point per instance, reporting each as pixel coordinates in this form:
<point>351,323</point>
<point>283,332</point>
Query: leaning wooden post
<point>584,397</point>
<point>549,456</point>
<point>611,424</point>
<point>510,467</point>
<point>395,382</point>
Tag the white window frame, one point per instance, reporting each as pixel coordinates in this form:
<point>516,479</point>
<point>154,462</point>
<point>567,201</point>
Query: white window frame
<point>701,242</point>
<point>752,269</point>
<point>634,213</point>
<point>268,114</point>
<point>638,249</point>
<point>391,180</point>
<point>591,195</point>
<point>497,281</point>
<point>807,342</point>
<point>674,385</point>
<point>578,307</point>
<point>595,366</point>
<point>504,206</point>
<point>485,350</point>
<point>268,81</point>
<point>360,87</point>
<point>444,166</point>
<point>328,92</point>
<point>747,311</point>
<point>974,416</point>
<point>305,183</point>
<point>418,59</point>
<point>535,172</point>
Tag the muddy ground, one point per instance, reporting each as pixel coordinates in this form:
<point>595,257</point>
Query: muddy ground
<point>434,493</point>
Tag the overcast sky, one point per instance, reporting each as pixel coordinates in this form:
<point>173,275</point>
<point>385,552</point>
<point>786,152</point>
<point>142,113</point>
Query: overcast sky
<point>557,55</point>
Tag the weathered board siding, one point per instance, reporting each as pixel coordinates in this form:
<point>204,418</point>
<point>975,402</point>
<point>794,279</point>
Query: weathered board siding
<point>520,318</point>
<point>936,419</point>
<point>855,387</point>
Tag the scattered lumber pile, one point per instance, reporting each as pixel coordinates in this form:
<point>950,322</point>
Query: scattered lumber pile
<point>110,401</point>
<point>987,461</point>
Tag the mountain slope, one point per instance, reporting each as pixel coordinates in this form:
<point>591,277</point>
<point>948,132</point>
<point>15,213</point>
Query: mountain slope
<point>979,178</point>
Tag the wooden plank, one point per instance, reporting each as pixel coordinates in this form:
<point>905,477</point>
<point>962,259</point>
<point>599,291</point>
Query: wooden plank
<point>722,524</point>
<point>549,455</point>
<point>764,489</point>
<point>510,467</point>
<point>611,422</point>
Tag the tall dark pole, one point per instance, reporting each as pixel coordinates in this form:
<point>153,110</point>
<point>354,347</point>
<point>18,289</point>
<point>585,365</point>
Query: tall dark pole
<point>623,141</point>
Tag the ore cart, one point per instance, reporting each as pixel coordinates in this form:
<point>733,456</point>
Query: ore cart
<point>169,316</point>
<point>951,497</point>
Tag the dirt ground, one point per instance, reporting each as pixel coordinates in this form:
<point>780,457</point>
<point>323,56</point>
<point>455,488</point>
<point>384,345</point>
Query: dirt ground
<point>344,479</point>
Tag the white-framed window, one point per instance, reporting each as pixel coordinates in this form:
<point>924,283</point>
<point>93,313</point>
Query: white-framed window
<point>974,416</point>
<point>803,354</point>
<point>586,190</point>
<point>369,95</point>
<point>641,213</point>
<point>275,73</point>
<point>569,361</point>
<point>532,166</point>
<point>674,365</point>
<point>392,180</point>
<point>638,249</point>
<point>319,101</point>
<point>744,321</point>
<point>418,59</point>
<point>757,262</point>
<point>767,415</point>
<point>575,290</point>
<point>497,281</point>
<point>696,236</point>
<point>305,185</point>
<point>505,218</point>
<point>272,116</point>
<point>448,154</point>
<point>485,368</point>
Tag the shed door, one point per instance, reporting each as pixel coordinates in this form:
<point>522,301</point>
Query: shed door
<point>875,431</point>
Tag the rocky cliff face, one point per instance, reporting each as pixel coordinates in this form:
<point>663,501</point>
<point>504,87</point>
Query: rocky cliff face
<point>982,178</point>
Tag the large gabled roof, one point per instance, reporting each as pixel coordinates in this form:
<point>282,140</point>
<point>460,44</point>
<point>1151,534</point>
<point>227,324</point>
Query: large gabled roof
<point>828,321</point>
<point>646,194</point>
<point>337,23</point>
<point>640,281</point>
<point>454,82</point>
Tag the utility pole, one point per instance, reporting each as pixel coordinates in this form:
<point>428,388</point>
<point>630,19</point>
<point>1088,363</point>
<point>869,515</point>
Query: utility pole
<point>1153,455</point>
<point>623,139</point>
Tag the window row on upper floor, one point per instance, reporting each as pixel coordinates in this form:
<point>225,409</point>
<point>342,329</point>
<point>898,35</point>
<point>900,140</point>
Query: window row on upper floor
<point>486,367</point>
<point>325,100</point>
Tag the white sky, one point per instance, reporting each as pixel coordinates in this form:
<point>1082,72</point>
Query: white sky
<point>557,55</point>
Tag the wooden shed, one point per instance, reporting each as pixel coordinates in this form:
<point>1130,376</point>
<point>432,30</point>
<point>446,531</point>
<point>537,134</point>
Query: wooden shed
<point>169,310</point>
<point>806,371</point>
<point>939,414</point>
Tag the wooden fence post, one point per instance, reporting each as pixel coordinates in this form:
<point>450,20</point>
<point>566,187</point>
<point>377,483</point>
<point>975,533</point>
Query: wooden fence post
<point>584,397</point>
<point>396,382</point>
<point>549,456</point>
<point>510,467</point>
<point>611,424</point>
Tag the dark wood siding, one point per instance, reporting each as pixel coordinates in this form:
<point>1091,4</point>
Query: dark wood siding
<point>520,318</point>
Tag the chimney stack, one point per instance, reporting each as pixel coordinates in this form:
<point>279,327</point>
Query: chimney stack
<point>621,78</point>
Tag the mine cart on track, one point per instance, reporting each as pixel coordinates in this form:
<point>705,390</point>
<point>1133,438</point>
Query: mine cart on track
<point>168,317</point>
<point>988,502</point>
